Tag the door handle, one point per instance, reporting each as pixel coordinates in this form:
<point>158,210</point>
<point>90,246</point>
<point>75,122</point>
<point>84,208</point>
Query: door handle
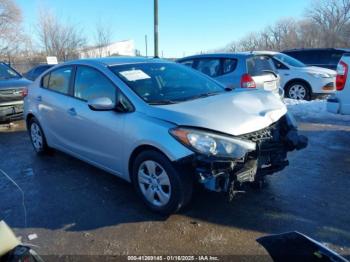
<point>72,111</point>
<point>39,98</point>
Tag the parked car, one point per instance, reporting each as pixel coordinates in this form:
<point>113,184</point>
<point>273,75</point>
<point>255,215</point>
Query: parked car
<point>322,57</point>
<point>36,71</point>
<point>237,70</point>
<point>12,89</point>
<point>160,125</point>
<point>300,81</point>
<point>340,102</point>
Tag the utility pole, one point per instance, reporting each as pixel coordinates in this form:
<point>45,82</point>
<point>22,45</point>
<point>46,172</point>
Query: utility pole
<point>156,28</point>
<point>146,45</point>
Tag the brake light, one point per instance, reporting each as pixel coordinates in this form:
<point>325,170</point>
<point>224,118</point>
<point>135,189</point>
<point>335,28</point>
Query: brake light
<point>247,81</point>
<point>24,92</point>
<point>342,75</point>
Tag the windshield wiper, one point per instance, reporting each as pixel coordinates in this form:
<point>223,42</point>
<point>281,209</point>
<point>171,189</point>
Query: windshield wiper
<point>162,102</point>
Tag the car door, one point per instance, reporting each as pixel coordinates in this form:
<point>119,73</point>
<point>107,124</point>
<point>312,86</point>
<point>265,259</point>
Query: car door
<point>53,102</point>
<point>95,136</point>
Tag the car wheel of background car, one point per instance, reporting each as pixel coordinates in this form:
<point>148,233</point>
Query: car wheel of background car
<point>37,136</point>
<point>159,184</point>
<point>299,91</point>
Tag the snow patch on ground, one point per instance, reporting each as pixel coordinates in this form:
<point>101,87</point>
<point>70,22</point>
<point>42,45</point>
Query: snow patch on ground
<point>315,109</point>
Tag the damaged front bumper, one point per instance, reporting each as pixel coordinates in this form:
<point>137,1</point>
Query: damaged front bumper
<point>272,145</point>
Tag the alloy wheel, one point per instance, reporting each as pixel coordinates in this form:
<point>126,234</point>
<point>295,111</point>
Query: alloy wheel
<point>154,183</point>
<point>37,137</point>
<point>297,91</point>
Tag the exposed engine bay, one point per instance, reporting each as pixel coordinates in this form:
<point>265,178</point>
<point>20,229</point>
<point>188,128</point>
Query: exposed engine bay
<point>272,146</point>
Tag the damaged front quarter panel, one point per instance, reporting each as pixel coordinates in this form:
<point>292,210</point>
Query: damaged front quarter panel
<point>224,174</point>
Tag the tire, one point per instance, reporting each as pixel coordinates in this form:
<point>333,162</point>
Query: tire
<point>298,90</point>
<point>37,137</point>
<point>161,187</point>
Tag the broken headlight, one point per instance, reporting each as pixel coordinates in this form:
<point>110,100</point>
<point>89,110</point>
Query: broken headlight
<point>212,144</point>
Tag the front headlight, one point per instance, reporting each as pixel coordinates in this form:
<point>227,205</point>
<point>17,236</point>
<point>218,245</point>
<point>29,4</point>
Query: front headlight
<point>212,144</point>
<point>319,75</point>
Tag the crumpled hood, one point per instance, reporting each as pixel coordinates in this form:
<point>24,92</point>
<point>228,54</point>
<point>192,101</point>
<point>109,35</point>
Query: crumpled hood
<point>234,113</point>
<point>14,83</point>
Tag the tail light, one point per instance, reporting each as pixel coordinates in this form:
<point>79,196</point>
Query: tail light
<point>342,75</point>
<point>247,81</point>
<point>24,92</point>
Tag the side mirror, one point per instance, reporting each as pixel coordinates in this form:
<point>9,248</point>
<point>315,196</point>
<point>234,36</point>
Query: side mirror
<point>101,104</point>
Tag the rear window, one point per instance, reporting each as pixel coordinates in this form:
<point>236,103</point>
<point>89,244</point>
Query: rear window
<point>259,65</point>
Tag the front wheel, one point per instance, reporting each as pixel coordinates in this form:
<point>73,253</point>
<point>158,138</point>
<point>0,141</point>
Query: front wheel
<point>161,187</point>
<point>299,91</point>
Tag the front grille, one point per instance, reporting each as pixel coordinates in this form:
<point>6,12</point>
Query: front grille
<point>260,135</point>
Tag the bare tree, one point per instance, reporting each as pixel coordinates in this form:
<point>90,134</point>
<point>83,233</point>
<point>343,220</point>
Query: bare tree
<point>59,39</point>
<point>332,17</point>
<point>10,28</point>
<point>327,24</point>
<point>103,35</point>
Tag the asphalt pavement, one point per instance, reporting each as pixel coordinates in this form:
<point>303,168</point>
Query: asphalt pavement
<point>76,209</point>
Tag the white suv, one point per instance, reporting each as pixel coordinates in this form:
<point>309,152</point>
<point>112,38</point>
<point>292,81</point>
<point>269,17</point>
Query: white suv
<point>300,81</point>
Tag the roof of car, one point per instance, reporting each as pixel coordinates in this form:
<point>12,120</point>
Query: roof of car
<point>317,49</point>
<point>119,60</point>
<point>229,55</point>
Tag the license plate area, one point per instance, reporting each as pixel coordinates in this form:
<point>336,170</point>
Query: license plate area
<point>269,86</point>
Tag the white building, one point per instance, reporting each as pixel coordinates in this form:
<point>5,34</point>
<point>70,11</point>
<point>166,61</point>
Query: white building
<point>123,48</point>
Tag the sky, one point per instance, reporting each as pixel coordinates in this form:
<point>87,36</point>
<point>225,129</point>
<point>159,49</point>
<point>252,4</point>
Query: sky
<point>185,26</point>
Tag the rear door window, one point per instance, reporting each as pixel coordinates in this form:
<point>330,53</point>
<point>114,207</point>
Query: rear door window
<point>58,80</point>
<point>259,65</point>
<point>209,66</point>
<point>228,65</point>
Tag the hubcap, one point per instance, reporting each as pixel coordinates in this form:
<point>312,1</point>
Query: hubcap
<point>36,136</point>
<point>297,92</point>
<point>154,183</point>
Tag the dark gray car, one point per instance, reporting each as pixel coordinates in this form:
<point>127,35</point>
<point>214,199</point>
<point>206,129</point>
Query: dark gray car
<point>12,88</point>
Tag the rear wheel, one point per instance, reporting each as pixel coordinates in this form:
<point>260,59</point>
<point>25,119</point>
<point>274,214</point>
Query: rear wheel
<point>161,187</point>
<point>299,91</point>
<point>37,136</point>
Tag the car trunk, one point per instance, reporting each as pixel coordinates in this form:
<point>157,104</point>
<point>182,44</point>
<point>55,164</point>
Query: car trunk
<point>261,69</point>
<point>9,95</point>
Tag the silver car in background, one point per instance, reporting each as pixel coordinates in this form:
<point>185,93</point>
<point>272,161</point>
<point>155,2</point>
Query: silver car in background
<point>160,125</point>
<point>237,70</point>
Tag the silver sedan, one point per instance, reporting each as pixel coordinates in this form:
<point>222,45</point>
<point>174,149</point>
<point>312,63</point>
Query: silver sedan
<point>159,125</point>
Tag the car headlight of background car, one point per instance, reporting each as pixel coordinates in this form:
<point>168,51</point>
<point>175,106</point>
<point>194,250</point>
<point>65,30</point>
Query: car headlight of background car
<point>212,144</point>
<point>319,75</point>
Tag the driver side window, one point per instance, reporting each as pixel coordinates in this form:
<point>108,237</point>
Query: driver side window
<point>90,83</point>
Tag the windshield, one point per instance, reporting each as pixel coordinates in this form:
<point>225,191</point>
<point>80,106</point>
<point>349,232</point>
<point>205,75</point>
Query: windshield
<point>165,83</point>
<point>7,73</point>
<point>289,60</point>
